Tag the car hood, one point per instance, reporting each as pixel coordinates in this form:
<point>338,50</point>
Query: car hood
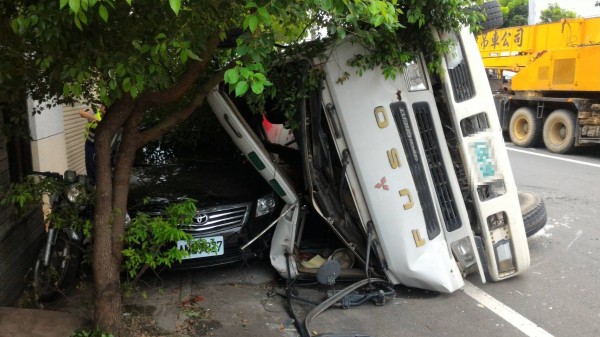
<point>209,183</point>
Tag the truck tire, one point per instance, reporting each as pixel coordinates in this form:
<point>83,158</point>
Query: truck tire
<point>559,131</point>
<point>493,15</point>
<point>525,129</point>
<point>533,211</point>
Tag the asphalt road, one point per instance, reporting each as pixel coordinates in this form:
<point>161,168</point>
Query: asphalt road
<point>560,293</point>
<point>558,296</point>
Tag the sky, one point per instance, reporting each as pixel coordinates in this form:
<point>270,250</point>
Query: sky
<point>584,8</point>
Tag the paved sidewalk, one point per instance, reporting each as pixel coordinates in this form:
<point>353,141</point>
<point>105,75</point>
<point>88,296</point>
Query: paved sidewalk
<point>16,322</point>
<point>225,301</point>
<point>229,301</point>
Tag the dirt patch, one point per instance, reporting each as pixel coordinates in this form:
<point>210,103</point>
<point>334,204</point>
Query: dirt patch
<point>142,326</point>
<point>199,321</point>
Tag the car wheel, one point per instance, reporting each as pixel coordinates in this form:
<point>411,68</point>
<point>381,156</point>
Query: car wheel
<point>559,131</point>
<point>533,211</point>
<point>525,129</point>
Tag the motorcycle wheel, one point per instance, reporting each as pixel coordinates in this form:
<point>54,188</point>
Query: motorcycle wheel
<point>61,270</point>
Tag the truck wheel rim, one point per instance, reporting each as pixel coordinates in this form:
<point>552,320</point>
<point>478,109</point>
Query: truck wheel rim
<point>558,133</point>
<point>521,128</point>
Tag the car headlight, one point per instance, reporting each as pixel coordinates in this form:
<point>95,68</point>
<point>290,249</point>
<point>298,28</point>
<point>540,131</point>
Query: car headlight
<point>74,192</point>
<point>265,205</point>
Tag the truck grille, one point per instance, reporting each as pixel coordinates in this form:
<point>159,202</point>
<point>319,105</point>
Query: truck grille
<point>407,135</point>
<point>220,217</point>
<point>462,83</point>
<point>436,165</point>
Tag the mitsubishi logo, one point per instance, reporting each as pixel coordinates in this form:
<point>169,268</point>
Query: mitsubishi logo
<point>200,218</point>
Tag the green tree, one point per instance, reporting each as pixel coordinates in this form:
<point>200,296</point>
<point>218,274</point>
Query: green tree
<point>515,12</point>
<point>140,56</point>
<point>554,13</point>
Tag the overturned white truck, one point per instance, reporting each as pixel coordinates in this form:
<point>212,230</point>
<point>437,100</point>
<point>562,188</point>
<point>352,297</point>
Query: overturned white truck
<point>411,174</point>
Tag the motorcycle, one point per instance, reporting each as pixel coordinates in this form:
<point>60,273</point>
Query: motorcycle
<point>59,259</point>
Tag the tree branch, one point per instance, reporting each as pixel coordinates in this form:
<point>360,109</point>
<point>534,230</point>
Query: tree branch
<point>177,118</point>
<point>175,92</point>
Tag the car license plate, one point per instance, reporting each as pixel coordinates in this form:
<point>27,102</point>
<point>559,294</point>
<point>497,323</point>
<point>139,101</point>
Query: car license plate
<point>182,244</point>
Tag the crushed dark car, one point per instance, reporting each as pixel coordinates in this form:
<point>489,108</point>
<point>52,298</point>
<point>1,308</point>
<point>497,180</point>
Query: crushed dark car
<point>234,204</point>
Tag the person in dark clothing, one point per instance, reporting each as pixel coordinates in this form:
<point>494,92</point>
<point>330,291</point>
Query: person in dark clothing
<point>90,135</point>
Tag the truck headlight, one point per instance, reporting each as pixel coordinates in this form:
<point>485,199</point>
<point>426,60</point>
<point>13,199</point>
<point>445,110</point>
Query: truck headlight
<point>455,56</point>
<point>501,239</point>
<point>504,257</point>
<point>465,255</point>
<point>265,205</point>
<point>413,74</point>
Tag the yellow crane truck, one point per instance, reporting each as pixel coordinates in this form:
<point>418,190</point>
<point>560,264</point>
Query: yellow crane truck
<point>554,95</point>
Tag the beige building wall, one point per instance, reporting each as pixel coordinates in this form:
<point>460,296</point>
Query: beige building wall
<point>48,149</point>
<point>58,138</point>
<point>49,154</point>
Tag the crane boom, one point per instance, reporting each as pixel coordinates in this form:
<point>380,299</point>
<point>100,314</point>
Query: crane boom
<point>558,56</point>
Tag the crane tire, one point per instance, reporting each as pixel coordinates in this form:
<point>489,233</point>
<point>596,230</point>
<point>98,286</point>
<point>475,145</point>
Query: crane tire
<point>525,129</point>
<point>559,131</point>
<point>493,15</point>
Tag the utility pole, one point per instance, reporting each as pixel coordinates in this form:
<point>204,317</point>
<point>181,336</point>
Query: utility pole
<point>531,16</point>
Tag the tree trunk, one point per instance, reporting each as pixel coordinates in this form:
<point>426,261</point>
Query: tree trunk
<point>108,222</point>
<point>113,186</point>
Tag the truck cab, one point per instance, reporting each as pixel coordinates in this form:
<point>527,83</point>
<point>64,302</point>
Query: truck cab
<point>410,174</point>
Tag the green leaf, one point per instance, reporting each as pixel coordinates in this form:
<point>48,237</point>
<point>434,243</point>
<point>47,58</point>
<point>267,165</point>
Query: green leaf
<point>128,2</point>
<point>252,23</point>
<point>378,21</point>
<point>251,4</point>
<point>76,89</point>
<point>15,25</point>
<point>74,5</point>
<point>175,5</point>
<point>82,17</point>
<point>63,3</point>
<point>193,56</point>
<point>241,88</point>
<point>183,56</point>
<point>245,72</point>
<point>231,76</point>
<point>66,90</point>
<point>77,22</point>
<point>134,91</point>
<point>103,12</point>
<point>257,87</point>
<point>127,84</point>
<point>265,16</point>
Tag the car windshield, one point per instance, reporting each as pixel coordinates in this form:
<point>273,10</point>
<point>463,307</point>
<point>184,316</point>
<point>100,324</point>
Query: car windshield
<point>200,139</point>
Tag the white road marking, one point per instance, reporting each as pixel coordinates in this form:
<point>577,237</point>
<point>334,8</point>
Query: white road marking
<point>577,235</point>
<point>517,320</point>
<point>554,157</point>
